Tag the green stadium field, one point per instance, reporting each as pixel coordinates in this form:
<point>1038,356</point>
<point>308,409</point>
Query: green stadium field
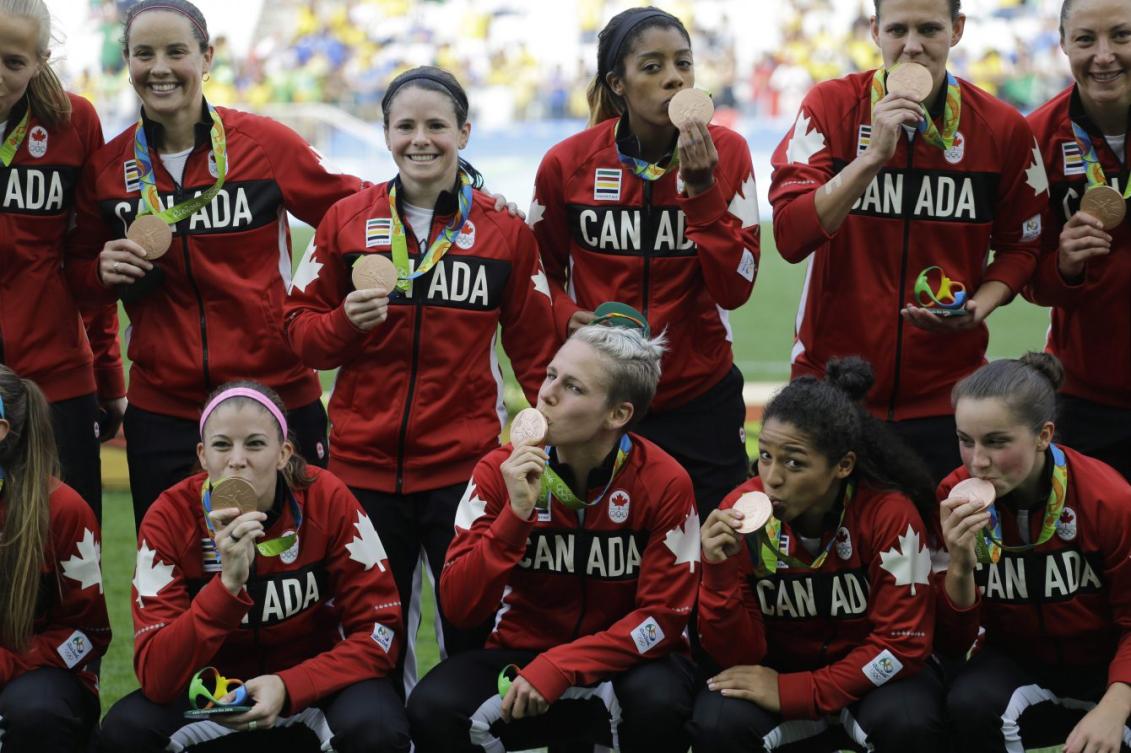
<point>763,335</point>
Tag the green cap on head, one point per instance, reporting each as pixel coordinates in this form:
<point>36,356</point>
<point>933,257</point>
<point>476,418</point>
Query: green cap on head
<point>617,314</point>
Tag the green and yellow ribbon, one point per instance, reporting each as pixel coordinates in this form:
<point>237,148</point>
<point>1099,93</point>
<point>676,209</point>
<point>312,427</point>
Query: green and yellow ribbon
<point>554,486</point>
<point>1093,171</point>
<point>439,246</point>
<point>988,546</point>
<point>149,194</point>
<point>15,138</point>
<point>268,548</point>
<point>644,170</point>
<point>952,113</point>
<point>767,546</point>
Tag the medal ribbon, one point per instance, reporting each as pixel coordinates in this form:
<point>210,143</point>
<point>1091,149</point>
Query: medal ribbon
<point>268,548</point>
<point>644,170</point>
<point>439,246</point>
<point>988,546</point>
<point>1092,170</point>
<point>15,138</point>
<point>768,554</point>
<point>952,113</point>
<point>554,486</point>
<point>152,199</point>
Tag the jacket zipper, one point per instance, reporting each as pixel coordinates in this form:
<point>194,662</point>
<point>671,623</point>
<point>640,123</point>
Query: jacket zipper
<point>902,296</point>
<point>581,607</point>
<point>645,236</point>
<point>182,230</point>
<point>418,318</point>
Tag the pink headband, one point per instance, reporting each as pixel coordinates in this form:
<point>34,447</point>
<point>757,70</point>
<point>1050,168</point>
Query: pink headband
<point>173,8</point>
<point>250,394</point>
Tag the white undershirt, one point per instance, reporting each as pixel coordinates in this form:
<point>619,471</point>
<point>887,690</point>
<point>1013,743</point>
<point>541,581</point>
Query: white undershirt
<point>1117,144</point>
<point>419,219</point>
<point>175,164</point>
<point>3,126</point>
<point>811,545</point>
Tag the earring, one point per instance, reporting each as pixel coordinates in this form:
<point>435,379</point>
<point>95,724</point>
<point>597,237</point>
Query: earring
<point>207,77</point>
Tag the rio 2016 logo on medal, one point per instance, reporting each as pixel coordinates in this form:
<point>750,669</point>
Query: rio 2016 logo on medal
<point>939,294</point>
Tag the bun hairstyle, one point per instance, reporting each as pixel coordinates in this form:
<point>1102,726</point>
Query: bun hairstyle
<point>296,472</point>
<point>632,360</point>
<point>29,461</point>
<point>614,42</point>
<point>1027,385</point>
<point>433,79</point>
<point>48,100</point>
<point>830,413</point>
<point>183,7</point>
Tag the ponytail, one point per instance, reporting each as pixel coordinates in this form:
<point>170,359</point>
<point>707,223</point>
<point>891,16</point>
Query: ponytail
<point>603,104</point>
<point>28,457</point>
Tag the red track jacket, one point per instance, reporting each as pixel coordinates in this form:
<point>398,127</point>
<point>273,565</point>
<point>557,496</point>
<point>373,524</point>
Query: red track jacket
<point>595,595</point>
<point>607,235</point>
<point>925,208</point>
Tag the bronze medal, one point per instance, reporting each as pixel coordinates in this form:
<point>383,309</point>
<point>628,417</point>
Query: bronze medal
<point>756,510</point>
<point>374,271</point>
<point>528,428</point>
<point>1105,204</point>
<point>690,106</point>
<point>976,490</point>
<point>234,492</point>
<point>151,233</point>
<point>910,80</point>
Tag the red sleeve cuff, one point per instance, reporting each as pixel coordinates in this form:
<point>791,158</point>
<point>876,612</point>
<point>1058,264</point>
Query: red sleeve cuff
<point>511,529</point>
<point>720,576</point>
<point>795,693</point>
<point>220,606</point>
<point>546,678</point>
<point>301,691</point>
<point>705,208</point>
<point>801,224</point>
<point>110,382</point>
<point>1011,269</point>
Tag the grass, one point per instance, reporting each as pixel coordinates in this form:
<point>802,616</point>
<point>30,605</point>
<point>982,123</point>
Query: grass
<point>763,336</point>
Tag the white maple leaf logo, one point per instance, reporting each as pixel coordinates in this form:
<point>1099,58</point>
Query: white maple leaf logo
<point>910,563</point>
<point>1035,174</point>
<point>84,566</point>
<point>151,574</point>
<point>534,216</point>
<point>471,508</point>
<point>541,284</point>
<point>366,548</point>
<point>744,205</point>
<point>307,271</point>
<point>804,143</point>
<point>684,541</point>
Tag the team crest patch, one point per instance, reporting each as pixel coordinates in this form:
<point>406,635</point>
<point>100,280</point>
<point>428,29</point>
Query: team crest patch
<point>843,543</point>
<point>378,232</point>
<point>37,141</point>
<point>957,150</point>
<point>132,175</point>
<point>74,648</point>
<point>863,138</point>
<point>290,555</point>
<point>466,237</point>
<point>647,634</point>
<point>382,636</point>
<point>1066,524</point>
<point>209,555</point>
<point>881,669</point>
<point>618,506</point>
<point>1073,159</point>
<point>606,184</point>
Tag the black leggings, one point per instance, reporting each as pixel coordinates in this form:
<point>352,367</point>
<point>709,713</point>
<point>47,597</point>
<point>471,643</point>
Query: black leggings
<point>47,710</point>
<point>456,707</point>
<point>366,717</point>
<point>161,450</point>
<point>898,717</point>
<point>74,423</point>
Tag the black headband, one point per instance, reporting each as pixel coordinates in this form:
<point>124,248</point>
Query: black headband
<point>457,94</point>
<point>633,19</point>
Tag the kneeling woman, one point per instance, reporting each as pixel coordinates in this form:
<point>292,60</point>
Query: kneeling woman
<point>828,612</point>
<point>1046,571</point>
<point>586,553</point>
<point>53,623</point>
<point>294,596</point>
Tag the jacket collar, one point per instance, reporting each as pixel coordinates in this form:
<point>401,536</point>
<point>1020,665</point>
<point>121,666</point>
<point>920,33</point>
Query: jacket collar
<point>447,203</point>
<point>202,129</point>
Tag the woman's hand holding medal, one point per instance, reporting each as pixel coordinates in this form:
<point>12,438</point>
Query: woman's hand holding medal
<point>1083,237</point>
<point>522,471</point>
<point>235,540</point>
<point>719,535</point>
<point>690,111</point>
<point>374,279</point>
<point>122,262</point>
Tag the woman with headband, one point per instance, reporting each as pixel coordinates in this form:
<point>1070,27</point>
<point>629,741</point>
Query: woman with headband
<point>1039,574</point>
<point>1084,272</point>
<point>895,184</point>
<point>289,591</point>
<point>53,623</point>
<point>46,137</point>
<point>663,217</point>
<point>211,309</point>
<point>419,395</point>
<point>583,546</point>
<point>822,609</point>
